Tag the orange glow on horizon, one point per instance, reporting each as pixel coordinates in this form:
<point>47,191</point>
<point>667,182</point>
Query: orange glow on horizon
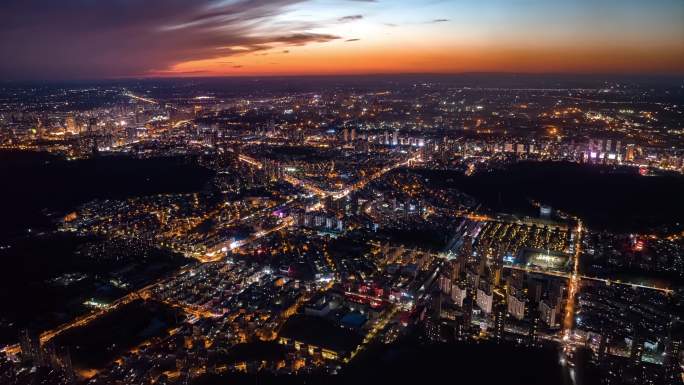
<point>467,59</point>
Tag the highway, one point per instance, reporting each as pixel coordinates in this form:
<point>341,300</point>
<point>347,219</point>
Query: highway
<point>588,278</point>
<point>574,282</point>
<point>559,274</point>
<point>142,99</point>
<point>228,246</point>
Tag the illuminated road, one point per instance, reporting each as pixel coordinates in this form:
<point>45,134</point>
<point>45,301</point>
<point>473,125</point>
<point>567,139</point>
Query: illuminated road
<point>361,184</point>
<point>181,122</point>
<point>574,282</point>
<point>192,309</point>
<point>305,185</point>
<point>142,99</point>
<point>373,332</point>
<point>588,278</point>
<point>335,194</point>
<point>560,274</point>
<point>219,251</point>
<point>250,160</point>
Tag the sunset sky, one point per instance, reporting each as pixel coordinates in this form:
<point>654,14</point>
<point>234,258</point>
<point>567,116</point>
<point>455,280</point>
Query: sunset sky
<point>50,39</point>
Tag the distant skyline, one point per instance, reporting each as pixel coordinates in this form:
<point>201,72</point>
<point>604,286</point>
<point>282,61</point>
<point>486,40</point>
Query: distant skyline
<point>72,39</point>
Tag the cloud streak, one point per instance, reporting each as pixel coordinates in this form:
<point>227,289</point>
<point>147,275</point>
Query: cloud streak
<point>47,39</point>
<point>350,18</point>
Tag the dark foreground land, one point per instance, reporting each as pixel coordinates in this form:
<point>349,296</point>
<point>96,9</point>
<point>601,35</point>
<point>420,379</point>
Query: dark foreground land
<point>409,363</point>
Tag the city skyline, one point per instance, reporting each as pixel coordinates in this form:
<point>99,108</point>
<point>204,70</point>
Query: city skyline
<point>79,40</point>
<point>342,192</point>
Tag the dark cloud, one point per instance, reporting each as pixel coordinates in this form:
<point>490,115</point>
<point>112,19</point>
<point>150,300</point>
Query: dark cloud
<point>182,73</point>
<point>351,40</point>
<point>439,20</point>
<point>350,18</point>
<point>50,39</point>
<point>302,38</point>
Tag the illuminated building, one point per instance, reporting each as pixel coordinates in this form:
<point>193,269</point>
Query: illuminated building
<point>499,318</point>
<point>548,312</point>
<point>458,294</point>
<point>444,283</point>
<point>485,298</point>
<point>517,304</point>
<point>532,337</point>
<point>637,349</point>
<point>672,354</point>
<point>71,125</point>
<point>30,347</point>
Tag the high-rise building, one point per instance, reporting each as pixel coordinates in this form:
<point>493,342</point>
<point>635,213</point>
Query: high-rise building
<point>467,249</point>
<point>458,294</point>
<point>485,297</point>
<point>548,313</point>
<point>517,304</point>
<point>460,333</point>
<point>432,330</point>
<point>673,350</point>
<point>604,345</point>
<point>637,350</point>
<point>444,284</point>
<point>29,342</point>
<point>631,153</point>
<point>467,310</point>
<point>545,211</point>
<point>92,124</point>
<point>499,318</point>
<point>532,336</point>
<point>71,124</point>
<point>519,148</point>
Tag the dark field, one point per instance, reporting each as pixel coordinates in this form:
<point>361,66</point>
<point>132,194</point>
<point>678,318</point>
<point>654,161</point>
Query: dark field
<point>32,298</point>
<point>416,364</point>
<point>39,187</point>
<point>615,199</point>
<point>103,340</point>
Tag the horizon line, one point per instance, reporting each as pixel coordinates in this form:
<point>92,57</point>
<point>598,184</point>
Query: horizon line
<point>351,75</point>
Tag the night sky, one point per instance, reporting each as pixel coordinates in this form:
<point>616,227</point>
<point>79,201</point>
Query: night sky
<point>70,39</point>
